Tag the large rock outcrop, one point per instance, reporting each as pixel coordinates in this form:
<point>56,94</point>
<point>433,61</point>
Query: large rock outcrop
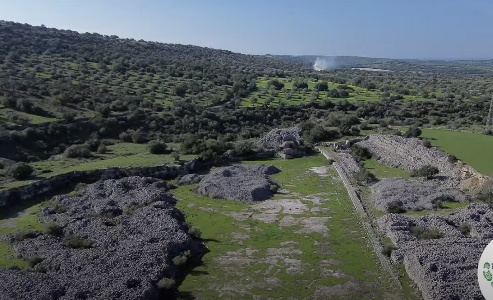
<point>115,240</point>
<point>240,182</point>
<point>444,267</point>
<point>286,142</point>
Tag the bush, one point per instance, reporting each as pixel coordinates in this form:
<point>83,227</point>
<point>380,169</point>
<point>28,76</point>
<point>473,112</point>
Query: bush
<point>413,131</point>
<point>77,151</point>
<point>25,234</point>
<point>181,259</point>
<point>175,156</point>
<point>360,153</point>
<point>20,171</point>
<point>195,232</point>
<point>102,149</point>
<point>33,261</point>
<point>157,147</point>
<point>77,242</point>
<point>425,171</point>
<point>53,229</point>
<point>364,176</point>
<point>137,137</point>
<point>93,144</point>
<point>125,137</point>
<point>465,229</point>
<point>165,283</point>
<point>422,233</point>
<point>395,208</point>
<point>387,249</point>
<point>451,159</point>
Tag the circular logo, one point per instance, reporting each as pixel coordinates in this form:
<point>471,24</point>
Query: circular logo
<point>485,272</point>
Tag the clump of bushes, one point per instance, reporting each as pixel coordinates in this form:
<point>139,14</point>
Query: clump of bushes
<point>413,131</point>
<point>33,261</point>
<point>195,232</point>
<point>157,147</point>
<point>77,151</point>
<point>53,229</point>
<point>77,242</point>
<point>465,229</point>
<point>181,259</point>
<point>364,176</point>
<point>425,171</point>
<point>20,171</point>
<point>360,153</point>
<point>387,249</point>
<point>166,283</point>
<point>395,208</point>
<point>422,233</point>
<point>25,234</point>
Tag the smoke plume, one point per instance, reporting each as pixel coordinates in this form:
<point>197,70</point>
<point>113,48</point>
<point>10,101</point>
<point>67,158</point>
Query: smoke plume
<point>322,64</point>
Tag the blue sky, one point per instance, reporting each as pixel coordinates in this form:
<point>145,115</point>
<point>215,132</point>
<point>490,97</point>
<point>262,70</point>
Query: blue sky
<point>374,28</point>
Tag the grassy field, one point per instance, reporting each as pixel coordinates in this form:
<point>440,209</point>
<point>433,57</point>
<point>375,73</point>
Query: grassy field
<point>383,171</point>
<point>264,253</point>
<point>471,147</point>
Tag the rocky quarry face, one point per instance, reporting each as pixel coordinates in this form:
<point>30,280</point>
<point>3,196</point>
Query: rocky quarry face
<point>413,194</point>
<point>443,267</point>
<point>410,154</point>
<point>115,240</point>
<point>286,142</point>
<point>240,182</point>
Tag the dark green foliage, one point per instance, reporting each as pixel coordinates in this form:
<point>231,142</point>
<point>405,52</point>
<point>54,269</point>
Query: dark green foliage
<point>387,249</point>
<point>425,171</point>
<point>317,133</point>
<point>364,176</point>
<point>77,151</point>
<point>157,147</point>
<point>451,158</point>
<point>360,153</point>
<point>278,85</point>
<point>176,156</point>
<point>195,232</point>
<point>33,261</point>
<point>395,208</point>
<point>20,171</point>
<point>412,132</point>
<point>77,242</point>
<point>53,229</point>
<point>93,144</point>
<point>422,233</point>
<point>465,229</point>
<point>321,86</point>
<point>102,149</point>
<point>25,234</point>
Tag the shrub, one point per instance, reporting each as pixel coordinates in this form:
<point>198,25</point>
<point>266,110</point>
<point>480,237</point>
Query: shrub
<point>157,147</point>
<point>165,283</point>
<point>422,233</point>
<point>175,156</point>
<point>413,131</point>
<point>426,143</point>
<point>77,242</point>
<point>125,137</point>
<point>181,259</point>
<point>137,137</point>
<point>93,144</point>
<point>25,234</point>
<point>387,249</point>
<point>102,149</point>
<point>20,171</point>
<point>425,171</point>
<point>76,151</point>
<point>33,261</point>
<point>360,153</point>
<point>465,229</point>
<point>395,208</point>
<point>195,232</point>
<point>53,229</point>
<point>451,159</point>
<point>365,176</point>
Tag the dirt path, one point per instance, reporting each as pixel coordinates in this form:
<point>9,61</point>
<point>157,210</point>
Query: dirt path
<point>365,219</point>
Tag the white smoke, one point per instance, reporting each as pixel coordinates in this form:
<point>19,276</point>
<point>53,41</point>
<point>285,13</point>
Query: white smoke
<point>322,64</point>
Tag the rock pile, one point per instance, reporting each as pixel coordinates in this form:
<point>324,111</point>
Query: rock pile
<point>410,154</point>
<point>443,268</point>
<point>412,194</point>
<point>115,240</point>
<point>287,142</point>
<point>190,179</point>
<point>348,163</point>
<point>240,182</point>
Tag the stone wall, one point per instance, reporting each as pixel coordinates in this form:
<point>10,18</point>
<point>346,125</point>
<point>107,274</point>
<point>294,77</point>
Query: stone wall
<point>60,183</point>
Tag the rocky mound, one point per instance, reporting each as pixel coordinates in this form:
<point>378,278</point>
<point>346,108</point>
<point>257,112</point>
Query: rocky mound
<point>115,240</point>
<point>190,179</point>
<point>348,163</point>
<point>444,267</point>
<point>412,195</point>
<point>287,142</point>
<point>240,182</point>
<point>410,154</point>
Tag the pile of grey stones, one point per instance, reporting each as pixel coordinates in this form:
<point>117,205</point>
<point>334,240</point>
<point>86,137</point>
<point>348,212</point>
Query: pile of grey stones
<point>286,142</point>
<point>413,194</point>
<point>240,182</point>
<point>444,267</point>
<point>124,235</point>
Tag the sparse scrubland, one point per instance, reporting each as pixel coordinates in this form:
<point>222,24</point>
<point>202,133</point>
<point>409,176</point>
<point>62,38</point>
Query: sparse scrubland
<point>405,180</point>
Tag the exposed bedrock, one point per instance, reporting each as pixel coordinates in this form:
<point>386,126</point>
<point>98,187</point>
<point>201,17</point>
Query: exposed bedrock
<point>240,182</point>
<point>286,142</point>
<point>413,194</point>
<point>444,267</point>
<point>118,239</point>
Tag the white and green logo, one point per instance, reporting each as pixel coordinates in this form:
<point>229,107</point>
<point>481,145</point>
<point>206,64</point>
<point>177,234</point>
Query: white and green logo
<point>485,272</point>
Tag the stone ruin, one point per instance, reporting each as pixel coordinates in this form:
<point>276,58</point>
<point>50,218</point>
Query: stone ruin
<point>286,142</point>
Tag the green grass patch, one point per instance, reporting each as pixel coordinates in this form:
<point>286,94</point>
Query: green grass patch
<point>383,171</point>
<point>471,147</point>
